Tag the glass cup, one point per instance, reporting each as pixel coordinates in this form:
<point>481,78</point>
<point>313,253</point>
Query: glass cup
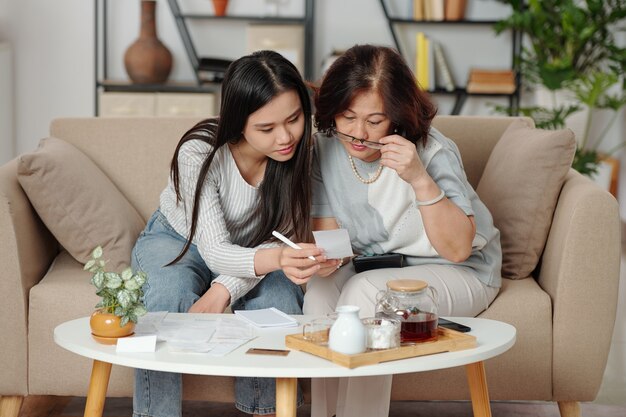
<point>382,333</point>
<point>317,330</point>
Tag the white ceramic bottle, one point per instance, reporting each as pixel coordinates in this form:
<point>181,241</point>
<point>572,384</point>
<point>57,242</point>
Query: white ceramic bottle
<point>347,335</point>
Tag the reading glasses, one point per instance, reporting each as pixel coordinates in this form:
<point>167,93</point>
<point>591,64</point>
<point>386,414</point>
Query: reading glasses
<point>351,139</point>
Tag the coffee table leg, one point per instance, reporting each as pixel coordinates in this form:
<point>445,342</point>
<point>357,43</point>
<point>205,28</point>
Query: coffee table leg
<point>286,392</point>
<point>98,384</point>
<point>478,389</point>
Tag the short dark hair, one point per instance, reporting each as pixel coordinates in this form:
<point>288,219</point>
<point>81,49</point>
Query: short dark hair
<point>364,68</point>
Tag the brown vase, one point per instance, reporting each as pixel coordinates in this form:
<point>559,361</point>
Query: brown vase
<point>105,327</point>
<point>147,60</point>
<point>220,7</point>
<point>455,9</point>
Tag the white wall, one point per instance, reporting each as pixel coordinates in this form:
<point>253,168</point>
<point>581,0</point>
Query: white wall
<point>7,144</point>
<point>53,48</point>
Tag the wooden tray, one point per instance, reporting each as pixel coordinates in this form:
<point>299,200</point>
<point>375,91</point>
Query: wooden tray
<point>447,341</point>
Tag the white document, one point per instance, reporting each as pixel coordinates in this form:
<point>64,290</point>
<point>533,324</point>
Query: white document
<point>136,344</point>
<point>336,243</point>
<point>267,317</point>
<point>149,323</point>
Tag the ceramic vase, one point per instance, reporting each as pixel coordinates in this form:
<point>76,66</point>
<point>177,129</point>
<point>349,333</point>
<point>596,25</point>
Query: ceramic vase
<point>220,7</point>
<point>147,60</point>
<point>106,329</point>
<point>347,335</point>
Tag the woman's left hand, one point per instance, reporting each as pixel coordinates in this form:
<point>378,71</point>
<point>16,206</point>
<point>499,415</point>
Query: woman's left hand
<point>401,155</point>
<point>215,300</point>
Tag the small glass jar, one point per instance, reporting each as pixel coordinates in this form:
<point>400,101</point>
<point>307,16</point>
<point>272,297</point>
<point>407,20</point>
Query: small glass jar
<point>414,304</point>
<point>381,333</point>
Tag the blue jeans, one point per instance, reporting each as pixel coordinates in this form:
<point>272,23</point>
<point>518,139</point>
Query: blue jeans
<point>175,288</point>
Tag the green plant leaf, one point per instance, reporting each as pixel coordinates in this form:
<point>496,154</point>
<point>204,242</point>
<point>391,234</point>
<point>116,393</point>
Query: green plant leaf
<point>586,161</point>
<point>125,298</point>
<point>98,280</point>
<point>127,274</point>
<point>112,280</point>
<point>139,310</point>
<point>89,264</point>
<point>97,253</point>
<point>131,285</point>
<point>124,321</point>
<point>141,278</point>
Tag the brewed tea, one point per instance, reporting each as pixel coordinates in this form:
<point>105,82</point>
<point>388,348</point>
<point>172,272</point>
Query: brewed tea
<point>420,327</point>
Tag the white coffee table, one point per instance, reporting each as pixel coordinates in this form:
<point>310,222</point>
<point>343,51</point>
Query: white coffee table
<point>493,338</point>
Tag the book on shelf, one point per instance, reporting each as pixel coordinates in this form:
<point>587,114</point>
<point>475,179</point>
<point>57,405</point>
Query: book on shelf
<point>491,81</point>
<point>431,67</point>
<point>432,10</point>
<point>444,76</point>
<point>437,10</point>
<point>418,9</point>
<point>421,60</point>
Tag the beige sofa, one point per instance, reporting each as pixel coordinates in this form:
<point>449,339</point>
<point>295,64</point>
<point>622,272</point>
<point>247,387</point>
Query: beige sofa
<point>564,315</point>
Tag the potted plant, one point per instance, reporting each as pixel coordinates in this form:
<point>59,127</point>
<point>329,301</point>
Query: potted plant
<point>121,304</point>
<point>571,52</point>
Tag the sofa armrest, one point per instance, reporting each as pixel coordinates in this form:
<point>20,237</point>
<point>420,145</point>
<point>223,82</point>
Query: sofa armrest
<point>26,251</point>
<point>580,272</point>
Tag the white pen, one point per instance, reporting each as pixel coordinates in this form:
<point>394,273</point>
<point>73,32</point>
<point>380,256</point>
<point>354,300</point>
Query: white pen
<point>289,242</point>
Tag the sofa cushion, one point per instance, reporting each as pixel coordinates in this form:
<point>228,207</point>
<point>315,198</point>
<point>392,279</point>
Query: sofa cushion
<point>78,203</point>
<point>520,185</point>
<point>522,373</point>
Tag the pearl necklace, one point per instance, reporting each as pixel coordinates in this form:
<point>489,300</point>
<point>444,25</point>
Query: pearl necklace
<point>359,177</point>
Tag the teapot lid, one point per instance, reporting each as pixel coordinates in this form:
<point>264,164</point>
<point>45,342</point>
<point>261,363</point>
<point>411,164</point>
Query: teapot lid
<point>406,285</point>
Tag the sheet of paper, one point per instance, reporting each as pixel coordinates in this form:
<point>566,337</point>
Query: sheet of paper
<point>267,317</point>
<point>136,344</point>
<point>149,323</point>
<point>213,337</point>
<point>336,243</point>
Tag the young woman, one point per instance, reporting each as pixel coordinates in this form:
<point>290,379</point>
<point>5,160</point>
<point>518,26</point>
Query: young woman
<point>234,180</point>
<point>397,185</point>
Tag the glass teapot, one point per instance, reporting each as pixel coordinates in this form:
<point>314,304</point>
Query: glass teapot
<point>414,304</point>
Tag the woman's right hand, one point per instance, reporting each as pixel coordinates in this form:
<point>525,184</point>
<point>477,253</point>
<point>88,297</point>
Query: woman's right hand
<point>297,266</point>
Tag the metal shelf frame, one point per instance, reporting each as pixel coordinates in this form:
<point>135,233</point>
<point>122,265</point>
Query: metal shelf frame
<point>461,93</point>
<point>101,25</point>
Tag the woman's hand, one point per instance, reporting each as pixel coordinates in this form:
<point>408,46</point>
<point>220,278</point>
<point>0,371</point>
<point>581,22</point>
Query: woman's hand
<point>215,300</point>
<point>297,266</point>
<point>329,267</point>
<point>401,155</point>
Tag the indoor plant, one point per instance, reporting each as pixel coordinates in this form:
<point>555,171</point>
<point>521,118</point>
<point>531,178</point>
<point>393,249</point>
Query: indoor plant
<point>571,52</point>
<point>121,304</point>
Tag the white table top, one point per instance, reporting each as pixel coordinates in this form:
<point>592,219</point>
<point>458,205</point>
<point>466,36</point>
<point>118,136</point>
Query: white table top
<point>493,338</point>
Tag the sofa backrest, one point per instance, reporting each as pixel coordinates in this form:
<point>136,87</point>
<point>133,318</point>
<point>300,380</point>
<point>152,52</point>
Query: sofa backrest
<point>136,152</point>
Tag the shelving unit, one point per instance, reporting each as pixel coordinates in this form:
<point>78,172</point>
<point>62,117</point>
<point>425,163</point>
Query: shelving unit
<point>104,85</point>
<point>461,93</point>
<point>199,64</point>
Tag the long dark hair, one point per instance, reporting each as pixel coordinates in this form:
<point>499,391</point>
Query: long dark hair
<point>364,68</point>
<point>285,193</point>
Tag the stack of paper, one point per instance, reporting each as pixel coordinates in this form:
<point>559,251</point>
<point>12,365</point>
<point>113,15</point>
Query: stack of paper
<point>267,317</point>
<point>190,334</point>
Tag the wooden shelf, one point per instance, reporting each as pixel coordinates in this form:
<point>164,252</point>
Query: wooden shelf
<point>441,22</point>
<point>460,90</point>
<point>170,87</point>
<point>262,19</point>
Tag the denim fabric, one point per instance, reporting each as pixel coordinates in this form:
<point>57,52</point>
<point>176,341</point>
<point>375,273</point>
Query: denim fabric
<point>258,395</point>
<point>175,288</point>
